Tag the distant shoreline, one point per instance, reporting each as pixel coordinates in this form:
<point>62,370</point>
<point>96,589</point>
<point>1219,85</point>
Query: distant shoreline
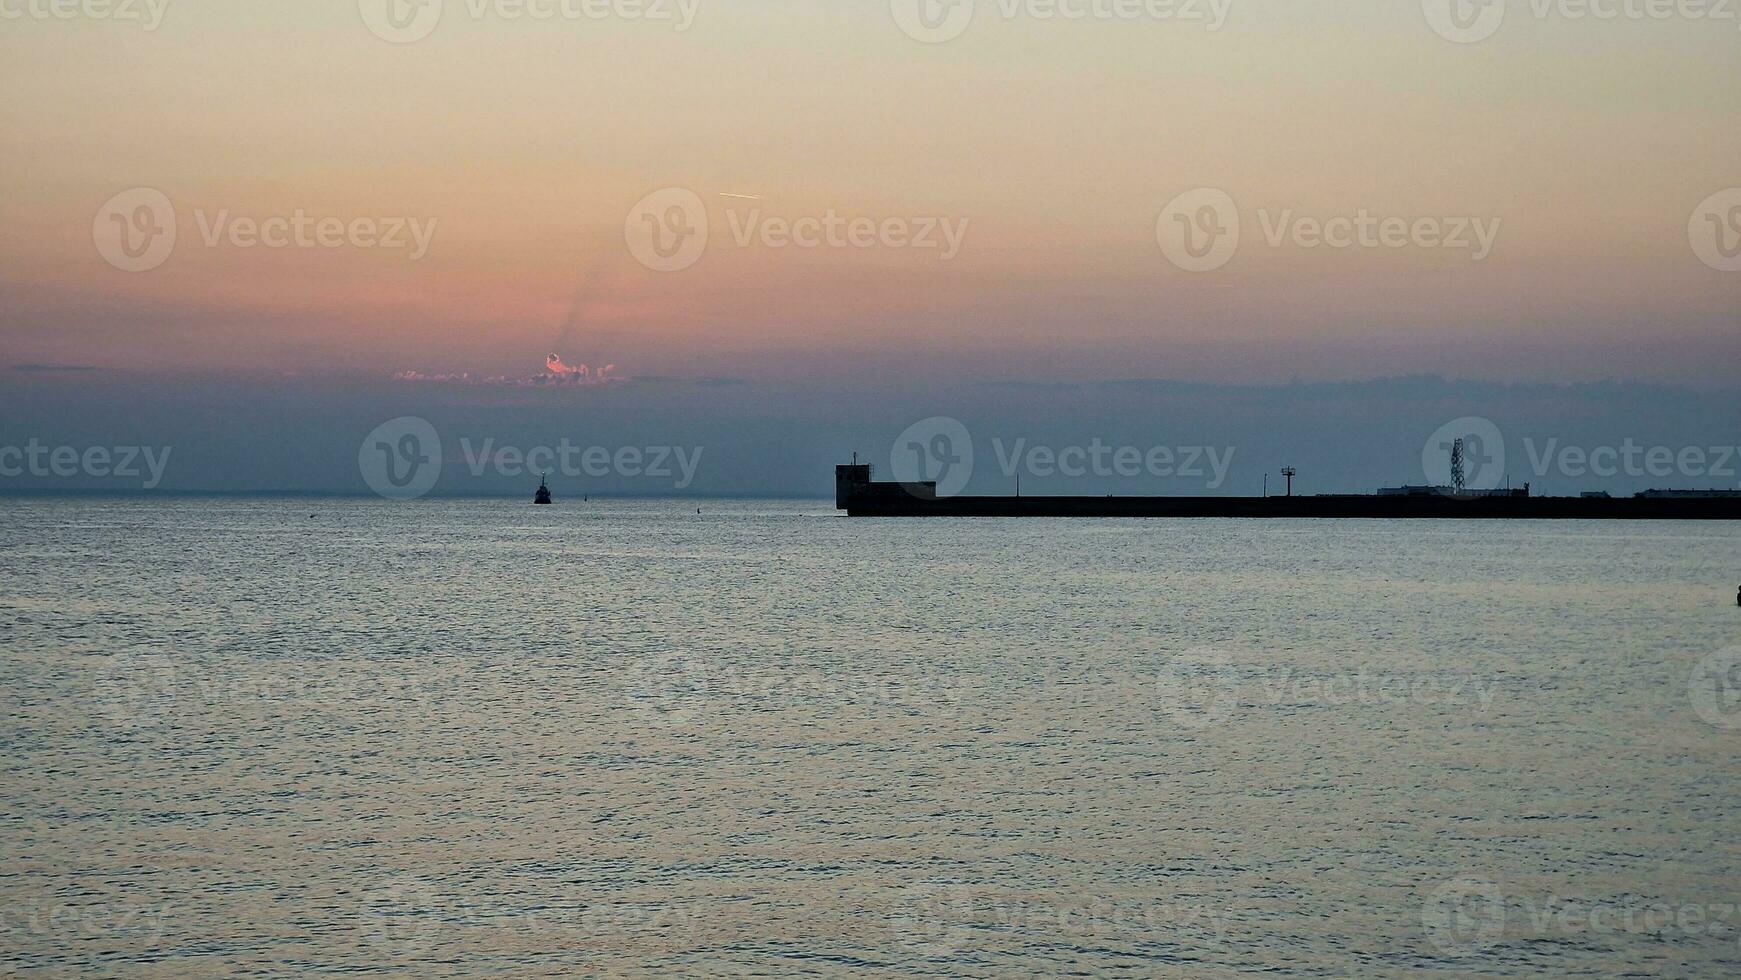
<point>348,495</point>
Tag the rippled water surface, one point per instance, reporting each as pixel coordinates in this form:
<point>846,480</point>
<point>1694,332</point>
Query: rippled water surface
<point>477,737</point>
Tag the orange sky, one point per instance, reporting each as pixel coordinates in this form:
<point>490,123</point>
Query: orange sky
<point>523,147</point>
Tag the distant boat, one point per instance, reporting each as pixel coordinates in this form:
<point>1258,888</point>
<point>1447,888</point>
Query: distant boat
<point>543,497</point>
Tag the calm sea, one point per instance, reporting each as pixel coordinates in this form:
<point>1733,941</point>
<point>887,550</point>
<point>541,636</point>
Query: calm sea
<point>466,737</point>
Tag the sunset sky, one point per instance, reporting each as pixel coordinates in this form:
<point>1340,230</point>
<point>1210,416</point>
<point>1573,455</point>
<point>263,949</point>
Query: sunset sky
<point>526,143</point>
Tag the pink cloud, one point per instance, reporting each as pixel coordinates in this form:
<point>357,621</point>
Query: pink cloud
<point>556,374</point>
